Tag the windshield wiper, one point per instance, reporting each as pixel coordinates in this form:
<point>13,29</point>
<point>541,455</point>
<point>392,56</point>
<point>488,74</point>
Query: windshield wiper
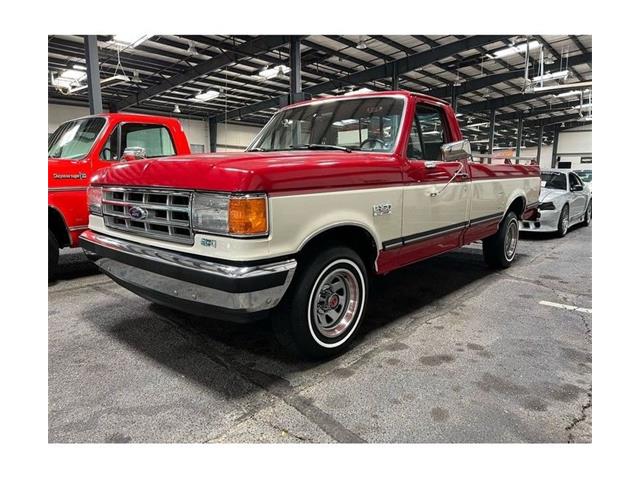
<point>318,146</point>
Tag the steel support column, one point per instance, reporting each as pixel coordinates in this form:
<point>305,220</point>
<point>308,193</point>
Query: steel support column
<point>295,64</point>
<point>454,97</point>
<point>556,136</point>
<point>492,131</point>
<point>93,73</point>
<point>395,78</point>
<point>519,141</point>
<point>540,134</point>
<point>213,135</point>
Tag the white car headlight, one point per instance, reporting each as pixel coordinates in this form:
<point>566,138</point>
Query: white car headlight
<point>94,200</point>
<point>235,215</point>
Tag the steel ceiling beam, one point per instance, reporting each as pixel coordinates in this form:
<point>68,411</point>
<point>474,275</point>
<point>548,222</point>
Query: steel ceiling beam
<point>250,48</point>
<point>386,70</point>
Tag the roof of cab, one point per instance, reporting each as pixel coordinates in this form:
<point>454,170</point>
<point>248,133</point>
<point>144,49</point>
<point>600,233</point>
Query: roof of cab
<point>385,93</point>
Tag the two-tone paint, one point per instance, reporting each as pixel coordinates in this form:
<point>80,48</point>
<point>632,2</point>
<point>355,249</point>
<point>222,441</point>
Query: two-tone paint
<point>68,179</point>
<point>428,211</point>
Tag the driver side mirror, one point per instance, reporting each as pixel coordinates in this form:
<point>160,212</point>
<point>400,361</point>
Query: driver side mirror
<point>455,151</point>
<point>577,188</point>
<point>134,153</point>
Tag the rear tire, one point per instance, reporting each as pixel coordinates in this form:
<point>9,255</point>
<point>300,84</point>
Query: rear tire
<point>563,222</point>
<point>324,305</point>
<point>500,248</point>
<point>587,215</point>
<point>54,252</point>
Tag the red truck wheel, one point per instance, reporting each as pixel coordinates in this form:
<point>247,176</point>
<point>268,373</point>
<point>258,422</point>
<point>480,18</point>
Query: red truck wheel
<point>327,301</point>
<point>500,248</point>
<point>54,251</point>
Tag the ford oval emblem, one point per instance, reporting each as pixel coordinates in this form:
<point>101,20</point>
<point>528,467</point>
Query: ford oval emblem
<point>137,213</point>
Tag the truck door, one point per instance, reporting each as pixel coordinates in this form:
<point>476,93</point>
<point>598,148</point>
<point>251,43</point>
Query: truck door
<point>435,212</point>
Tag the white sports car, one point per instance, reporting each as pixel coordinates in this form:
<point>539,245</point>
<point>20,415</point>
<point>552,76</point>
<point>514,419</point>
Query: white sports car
<point>564,201</point>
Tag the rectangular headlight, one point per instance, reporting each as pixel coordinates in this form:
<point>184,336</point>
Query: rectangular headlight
<point>547,206</point>
<point>234,215</point>
<point>94,200</point>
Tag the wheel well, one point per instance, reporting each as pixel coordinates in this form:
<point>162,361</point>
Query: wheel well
<point>58,227</point>
<point>357,238</point>
<point>517,207</point>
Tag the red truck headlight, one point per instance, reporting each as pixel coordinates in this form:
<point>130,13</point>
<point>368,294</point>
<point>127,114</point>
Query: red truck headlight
<point>94,200</point>
<point>235,215</point>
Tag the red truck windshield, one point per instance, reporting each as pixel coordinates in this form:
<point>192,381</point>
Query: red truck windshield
<point>73,140</point>
<point>367,124</point>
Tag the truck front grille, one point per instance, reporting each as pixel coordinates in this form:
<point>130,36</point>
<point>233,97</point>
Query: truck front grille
<point>162,214</point>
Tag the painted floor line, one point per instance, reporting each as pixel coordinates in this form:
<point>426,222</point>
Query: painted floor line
<point>565,307</point>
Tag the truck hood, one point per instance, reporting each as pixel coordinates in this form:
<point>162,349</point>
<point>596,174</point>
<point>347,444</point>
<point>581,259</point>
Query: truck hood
<point>256,171</point>
<point>549,194</point>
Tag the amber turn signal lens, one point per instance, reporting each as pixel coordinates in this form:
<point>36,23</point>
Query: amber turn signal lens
<point>248,216</point>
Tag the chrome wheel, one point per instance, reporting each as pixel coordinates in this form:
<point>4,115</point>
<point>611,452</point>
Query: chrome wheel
<point>511,240</point>
<point>336,303</point>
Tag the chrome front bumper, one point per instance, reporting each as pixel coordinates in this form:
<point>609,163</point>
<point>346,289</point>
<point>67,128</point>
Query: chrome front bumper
<point>547,222</point>
<point>190,283</point>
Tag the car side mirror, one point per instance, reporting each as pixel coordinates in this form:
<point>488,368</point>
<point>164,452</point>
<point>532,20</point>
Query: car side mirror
<point>134,153</point>
<point>455,151</point>
<point>577,188</point>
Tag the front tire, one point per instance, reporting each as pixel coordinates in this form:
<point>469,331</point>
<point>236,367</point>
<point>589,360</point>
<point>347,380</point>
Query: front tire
<point>325,304</point>
<point>563,222</point>
<point>500,248</point>
<point>54,252</point>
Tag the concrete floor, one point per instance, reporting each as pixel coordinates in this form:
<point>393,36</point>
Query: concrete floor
<point>450,352</point>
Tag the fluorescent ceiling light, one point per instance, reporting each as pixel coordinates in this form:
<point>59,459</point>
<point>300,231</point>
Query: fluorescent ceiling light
<point>206,96</point>
<point>561,75</point>
<point>506,52</point>
<point>79,67</point>
<point>572,93</point>
<point>73,74</point>
<point>482,124</point>
<point>128,39</point>
<point>273,72</point>
<point>584,106</point>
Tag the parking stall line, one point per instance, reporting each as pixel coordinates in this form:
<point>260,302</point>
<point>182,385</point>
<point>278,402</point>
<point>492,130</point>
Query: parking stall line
<point>572,308</point>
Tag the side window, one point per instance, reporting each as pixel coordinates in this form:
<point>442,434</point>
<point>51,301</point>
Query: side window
<point>574,180</point>
<point>155,139</point>
<point>427,134</point>
<point>414,149</point>
<point>431,131</point>
<point>110,150</point>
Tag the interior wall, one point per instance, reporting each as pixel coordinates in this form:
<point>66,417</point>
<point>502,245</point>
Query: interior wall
<point>574,145</point>
<point>233,137</point>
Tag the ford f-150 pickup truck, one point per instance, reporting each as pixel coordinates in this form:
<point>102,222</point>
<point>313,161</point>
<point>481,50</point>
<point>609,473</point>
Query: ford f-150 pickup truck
<point>329,193</point>
<point>80,147</point>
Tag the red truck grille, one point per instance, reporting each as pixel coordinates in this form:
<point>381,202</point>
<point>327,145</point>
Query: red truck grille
<point>162,214</point>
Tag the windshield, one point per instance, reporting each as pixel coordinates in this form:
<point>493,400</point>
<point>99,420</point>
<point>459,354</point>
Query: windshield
<point>367,124</point>
<point>585,175</point>
<point>74,139</point>
<point>555,180</point>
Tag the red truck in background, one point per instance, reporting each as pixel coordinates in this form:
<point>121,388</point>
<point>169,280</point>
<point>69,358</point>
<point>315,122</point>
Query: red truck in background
<point>78,148</point>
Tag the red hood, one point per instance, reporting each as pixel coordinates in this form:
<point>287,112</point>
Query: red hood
<point>256,171</point>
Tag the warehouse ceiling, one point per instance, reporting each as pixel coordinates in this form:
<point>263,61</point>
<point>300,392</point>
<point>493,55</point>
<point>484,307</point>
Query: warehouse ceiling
<point>166,72</point>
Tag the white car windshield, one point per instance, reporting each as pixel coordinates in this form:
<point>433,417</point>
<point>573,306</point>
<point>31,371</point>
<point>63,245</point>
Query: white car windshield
<point>554,180</point>
<point>366,124</point>
<point>73,140</point>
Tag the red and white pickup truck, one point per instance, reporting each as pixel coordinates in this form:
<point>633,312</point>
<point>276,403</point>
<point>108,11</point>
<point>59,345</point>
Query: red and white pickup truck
<point>330,192</point>
<point>78,148</point>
